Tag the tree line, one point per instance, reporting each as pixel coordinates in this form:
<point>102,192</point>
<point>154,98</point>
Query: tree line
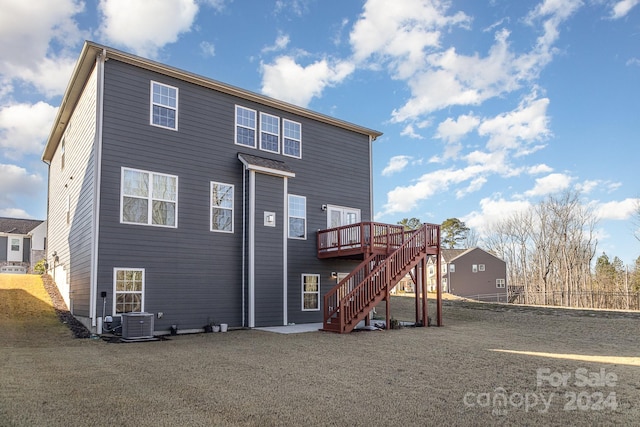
<point>551,255</point>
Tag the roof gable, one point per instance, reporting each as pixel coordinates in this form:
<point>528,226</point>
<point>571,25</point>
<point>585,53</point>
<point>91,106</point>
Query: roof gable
<point>18,225</point>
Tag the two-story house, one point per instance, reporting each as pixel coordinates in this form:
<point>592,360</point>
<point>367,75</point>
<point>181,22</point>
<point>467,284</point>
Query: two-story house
<point>473,273</point>
<point>22,244</point>
<point>196,201</point>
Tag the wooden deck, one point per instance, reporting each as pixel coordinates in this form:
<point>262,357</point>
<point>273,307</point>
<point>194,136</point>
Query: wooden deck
<point>388,253</point>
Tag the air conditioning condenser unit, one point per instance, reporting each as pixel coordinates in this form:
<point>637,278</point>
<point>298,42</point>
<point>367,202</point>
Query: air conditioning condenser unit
<point>137,325</point>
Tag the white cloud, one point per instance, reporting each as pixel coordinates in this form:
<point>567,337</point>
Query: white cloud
<point>400,32</point>
<point>17,182</point>
<point>14,213</point>
<point>28,29</point>
<point>396,164</point>
<point>24,128</point>
<point>525,124</point>
<point>145,26</point>
<point>550,184</point>
<point>410,132</point>
<point>538,169</point>
<point>620,210</point>
<point>282,41</point>
<point>622,8</point>
<point>208,49</point>
<point>453,130</point>
<point>285,79</point>
<point>492,211</point>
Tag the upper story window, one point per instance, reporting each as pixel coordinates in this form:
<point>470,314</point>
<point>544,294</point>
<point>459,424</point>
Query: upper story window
<point>452,268</point>
<point>164,106</point>
<point>245,127</point>
<point>269,133</point>
<point>149,198</point>
<point>297,217</point>
<point>292,138</point>
<point>474,268</point>
<point>221,207</point>
<point>480,267</point>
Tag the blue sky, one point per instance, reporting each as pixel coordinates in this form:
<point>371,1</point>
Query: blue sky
<point>487,107</point>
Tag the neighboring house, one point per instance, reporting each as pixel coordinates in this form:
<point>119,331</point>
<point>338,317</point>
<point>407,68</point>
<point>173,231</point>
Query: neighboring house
<point>473,273</point>
<point>22,244</point>
<point>177,195</point>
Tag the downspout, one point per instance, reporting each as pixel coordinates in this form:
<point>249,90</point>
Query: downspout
<point>100,60</point>
<point>244,236</point>
<point>371,139</point>
<point>285,264</point>
<point>252,248</point>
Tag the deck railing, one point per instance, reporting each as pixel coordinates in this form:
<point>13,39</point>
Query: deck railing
<point>349,300</point>
<point>363,237</point>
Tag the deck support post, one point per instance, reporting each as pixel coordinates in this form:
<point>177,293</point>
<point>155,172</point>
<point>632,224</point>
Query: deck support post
<point>423,283</point>
<point>416,290</point>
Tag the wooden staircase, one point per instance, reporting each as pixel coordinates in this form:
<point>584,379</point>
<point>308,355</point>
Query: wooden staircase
<point>351,300</point>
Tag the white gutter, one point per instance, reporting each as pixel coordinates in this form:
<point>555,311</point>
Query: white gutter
<point>252,248</point>
<point>93,287</point>
<point>244,236</point>
<point>285,264</point>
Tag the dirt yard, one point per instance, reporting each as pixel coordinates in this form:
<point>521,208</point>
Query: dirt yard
<point>488,365</point>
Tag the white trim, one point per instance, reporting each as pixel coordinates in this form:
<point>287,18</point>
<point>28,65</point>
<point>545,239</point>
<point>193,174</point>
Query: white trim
<point>211,207</point>
<point>299,140</point>
<point>302,276</point>
<point>15,256</point>
<point>97,183</point>
<point>235,126</point>
<point>252,249</point>
<point>149,198</point>
<point>151,105</point>
<point>113,302</point>
<point>285,255</point>
<point>289,217</point>
<point>277,151</point>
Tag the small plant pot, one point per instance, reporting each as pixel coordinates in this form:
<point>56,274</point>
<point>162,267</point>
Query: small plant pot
<point>223,327</point>
<point>174,330</point>
<point>208,329</point>
<point>215,328</point>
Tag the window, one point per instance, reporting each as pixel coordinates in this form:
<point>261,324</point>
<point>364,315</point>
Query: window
<point>474,268</point>
<point>15,245</point>
<point>310,292</point>
<point>149,198</point>
<point>297,217</point>
<point>128,285</point>
<point>269,133</point>
<point>480,267</point>
<point>221,207</point>
<point>245,127</point>
<point>499,283</point>
<point>291,144</point>
<point>164,106</point>
<point>452,268</point>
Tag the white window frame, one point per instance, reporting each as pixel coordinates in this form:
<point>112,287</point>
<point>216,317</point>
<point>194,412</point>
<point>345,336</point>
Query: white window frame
<point>163,105</point>
<point>149,198</point>
<point>245,126</point>
<point>12,245</point>
<point>452,268</point>
<point>305,292</point>
<point>116,293</point>
<point>264,131</point>
<point>286,137</point>
<point>214,206</point>
<point>474,268</point>
<point>500,283</point>
<point>291,216</point>
<point>480,267</point>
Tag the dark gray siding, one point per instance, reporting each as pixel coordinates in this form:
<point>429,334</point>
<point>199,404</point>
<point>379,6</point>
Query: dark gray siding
<point>193,274</point>
<point>4,241</point>
<point>269,280</point>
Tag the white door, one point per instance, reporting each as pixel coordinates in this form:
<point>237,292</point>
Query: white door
<point>338,216</point>
<point>14,248</point>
